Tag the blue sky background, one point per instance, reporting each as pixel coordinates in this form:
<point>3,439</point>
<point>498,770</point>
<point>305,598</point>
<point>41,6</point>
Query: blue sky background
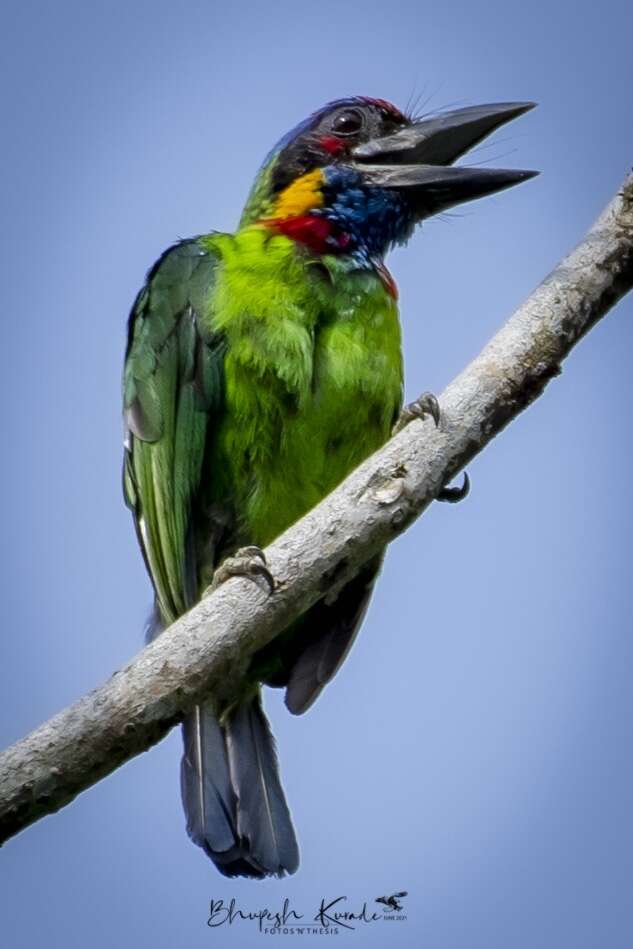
<point>476,748</point>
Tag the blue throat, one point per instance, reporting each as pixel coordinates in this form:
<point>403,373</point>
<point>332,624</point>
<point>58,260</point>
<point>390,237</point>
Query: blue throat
<point>374,218</point>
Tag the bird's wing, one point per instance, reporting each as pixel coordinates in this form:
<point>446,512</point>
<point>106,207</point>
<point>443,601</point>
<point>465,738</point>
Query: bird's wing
<point>325,636</point>
<point>172,384</point>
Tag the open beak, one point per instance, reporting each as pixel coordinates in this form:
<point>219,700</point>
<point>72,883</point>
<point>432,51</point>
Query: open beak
<point>418,159</point>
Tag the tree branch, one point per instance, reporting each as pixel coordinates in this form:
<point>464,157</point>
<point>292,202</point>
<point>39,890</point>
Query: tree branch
<point>207,650</point>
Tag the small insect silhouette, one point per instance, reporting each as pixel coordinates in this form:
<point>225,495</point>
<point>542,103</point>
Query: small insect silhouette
<point>391,902</point>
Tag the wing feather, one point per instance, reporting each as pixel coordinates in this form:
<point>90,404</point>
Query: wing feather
<point>172,389</point>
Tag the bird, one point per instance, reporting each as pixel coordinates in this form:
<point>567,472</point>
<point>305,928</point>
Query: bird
<point>392,902</point>
<point>261,367</point>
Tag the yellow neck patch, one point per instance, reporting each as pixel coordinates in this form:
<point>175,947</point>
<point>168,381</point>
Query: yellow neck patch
<point>301,196</point>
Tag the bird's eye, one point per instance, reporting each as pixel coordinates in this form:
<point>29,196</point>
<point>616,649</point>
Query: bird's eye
<point>348,122</point>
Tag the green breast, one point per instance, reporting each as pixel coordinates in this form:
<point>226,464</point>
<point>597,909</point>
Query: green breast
<point>313,376</point>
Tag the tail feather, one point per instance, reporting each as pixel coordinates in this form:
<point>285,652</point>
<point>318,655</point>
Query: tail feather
<point>232,796</point>
<point>263,818</point>
<point>207,793</point>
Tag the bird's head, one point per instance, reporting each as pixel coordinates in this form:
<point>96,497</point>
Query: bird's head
<point>358,175</point>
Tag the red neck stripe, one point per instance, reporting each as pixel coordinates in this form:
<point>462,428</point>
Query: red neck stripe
<point>317,233</point>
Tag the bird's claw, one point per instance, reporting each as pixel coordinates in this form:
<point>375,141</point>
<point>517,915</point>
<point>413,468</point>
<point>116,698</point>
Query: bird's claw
<point>453,495</point>
<point>423,406</point>
<point>246,562</point>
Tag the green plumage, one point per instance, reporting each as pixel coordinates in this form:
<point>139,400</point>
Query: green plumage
<point>172,391</point>
<point>255,381</point>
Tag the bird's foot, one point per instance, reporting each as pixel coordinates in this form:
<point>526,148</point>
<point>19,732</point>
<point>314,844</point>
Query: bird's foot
<point>246,562</point>
<point>423,406</point>
<point>453,495</point>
